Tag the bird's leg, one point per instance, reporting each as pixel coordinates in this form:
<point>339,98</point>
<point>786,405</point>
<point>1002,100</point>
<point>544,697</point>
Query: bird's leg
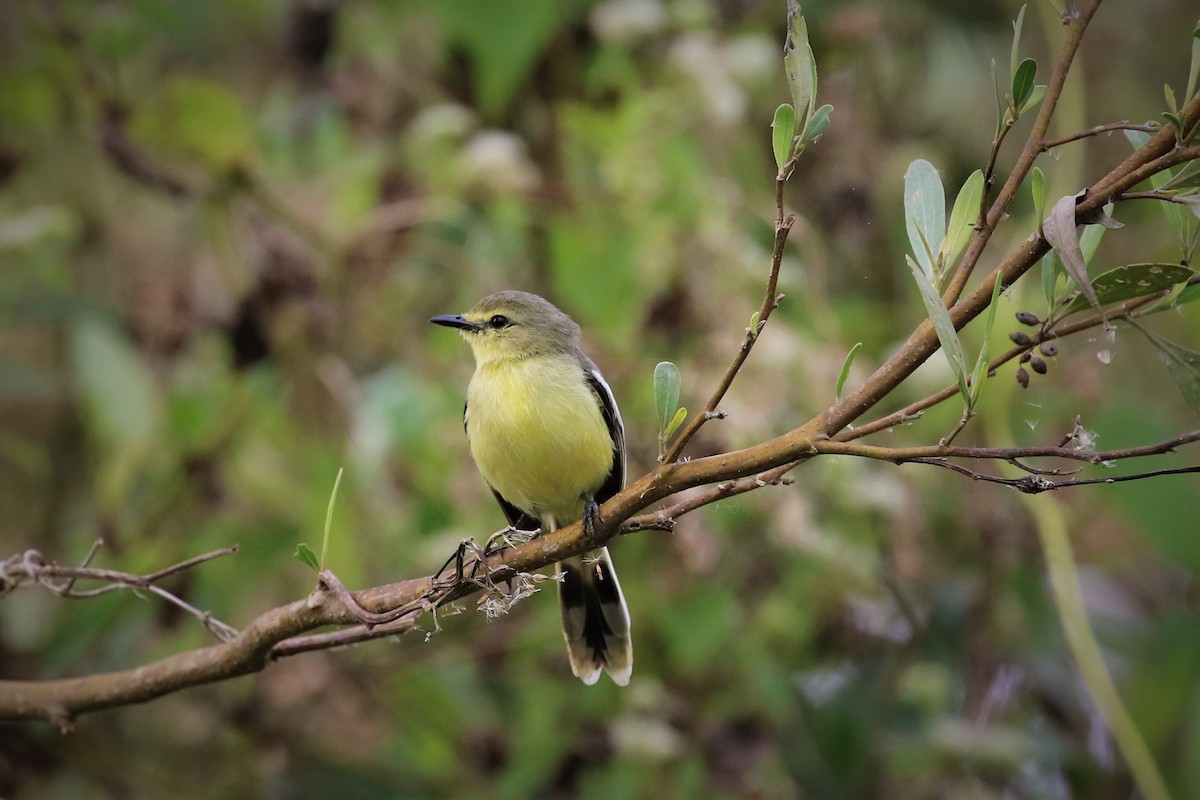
<point>591,518</point>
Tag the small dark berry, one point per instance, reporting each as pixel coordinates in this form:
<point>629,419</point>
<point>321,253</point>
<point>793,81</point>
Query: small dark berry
<point>1028,318</point>
<point>1019,338</point>
<point>1023,377</point>
<point>1038,365</point>
<point>1049,349</point>
<point>1026,356</point>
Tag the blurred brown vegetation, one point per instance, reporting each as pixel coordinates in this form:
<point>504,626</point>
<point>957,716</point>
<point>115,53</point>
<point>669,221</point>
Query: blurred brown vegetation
<point>223,226</point>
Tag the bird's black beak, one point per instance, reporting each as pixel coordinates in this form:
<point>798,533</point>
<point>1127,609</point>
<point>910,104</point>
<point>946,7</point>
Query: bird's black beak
<point>456,321</point>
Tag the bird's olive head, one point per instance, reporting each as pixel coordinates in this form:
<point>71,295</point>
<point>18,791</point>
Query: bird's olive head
<point>512,325</point>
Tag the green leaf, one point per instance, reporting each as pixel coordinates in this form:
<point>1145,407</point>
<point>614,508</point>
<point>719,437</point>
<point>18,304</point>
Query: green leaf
<point>1130,281</point>
<point>943,326</point>
<point>1188,177</point>
<point>1175,121</point>
<point>1194,65</point>
<point>1187,229</point>
<point>816,126</point>
<point>1037,185</point>
<point>1183,364</point>
<point>337,482</point>
<point>305,555</point>
<point>962,218</point>
<point>666,394</point>
<point>977,374</point>
<point>755,324</point>
<point>1015,52</point>
<point>1137,138</point>
<point>1035,97</point>
<point>924,213</point>
<point>783,131</point>
<point>1022,83</point>
<point>1051,270</point>
<point>799,64</point>
<point>675,422</point>
<point>1188,295</point>
<point>845,373</point>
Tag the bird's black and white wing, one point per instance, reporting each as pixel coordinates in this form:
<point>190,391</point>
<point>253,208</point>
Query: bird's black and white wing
<point>615,481</point>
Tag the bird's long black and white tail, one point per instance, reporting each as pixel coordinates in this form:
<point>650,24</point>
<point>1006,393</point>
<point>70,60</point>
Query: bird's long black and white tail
<point>595,618</point>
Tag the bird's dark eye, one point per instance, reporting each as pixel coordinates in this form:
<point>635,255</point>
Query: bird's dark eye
<point>499,321</point>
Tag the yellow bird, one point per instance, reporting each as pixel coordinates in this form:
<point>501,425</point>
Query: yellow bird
<point>546,434</point>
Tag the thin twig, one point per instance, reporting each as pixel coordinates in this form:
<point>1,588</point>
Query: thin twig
<point>1165,197</point>
<point>95,548</point>
<point>783,226</point>
<point>31,569</point>
<point>665,519</point>
<point>900,455</point>
<point>1036,484</point>
<point>1124,125</point>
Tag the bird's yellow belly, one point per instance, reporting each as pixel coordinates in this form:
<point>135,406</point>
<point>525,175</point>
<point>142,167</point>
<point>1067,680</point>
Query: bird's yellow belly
<point>540,442</point>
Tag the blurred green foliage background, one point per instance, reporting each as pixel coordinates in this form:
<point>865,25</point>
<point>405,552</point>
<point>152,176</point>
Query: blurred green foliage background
<point>223,226</point>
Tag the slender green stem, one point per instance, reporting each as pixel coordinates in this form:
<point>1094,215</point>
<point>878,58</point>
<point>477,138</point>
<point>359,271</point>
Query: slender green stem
<point>1051,525</point>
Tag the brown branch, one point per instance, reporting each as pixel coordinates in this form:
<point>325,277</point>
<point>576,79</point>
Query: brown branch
<point>290,629</point>
<point>1029,153</point>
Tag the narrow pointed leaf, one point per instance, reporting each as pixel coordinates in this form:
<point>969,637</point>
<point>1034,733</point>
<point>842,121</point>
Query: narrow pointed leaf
<point>1191,203</point>
<point>981,362</point>
<point>1189,294</point>
<point>1194,66</point>
<point>845,373</point>
<point>1188,177</point>
<point>676,421</point>
<point>942,325</point>
<point>1014,53</point>
<point>962,218</point>
<point>1037,185</point>
<point>924,213</point>
<point>1184,366</point>
<point>1051,269</point>
<point>337,483</point>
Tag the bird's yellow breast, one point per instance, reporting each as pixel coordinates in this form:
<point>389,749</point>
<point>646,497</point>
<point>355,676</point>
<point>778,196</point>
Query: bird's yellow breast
<point>538,435</point>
